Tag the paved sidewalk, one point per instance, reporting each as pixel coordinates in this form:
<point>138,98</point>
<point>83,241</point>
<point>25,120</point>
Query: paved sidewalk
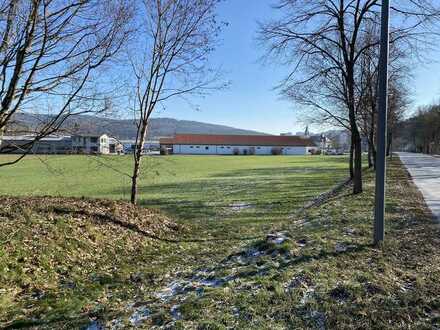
<point>425,171</point>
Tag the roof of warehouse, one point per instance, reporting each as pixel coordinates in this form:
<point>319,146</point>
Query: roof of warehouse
<point>239,140</point>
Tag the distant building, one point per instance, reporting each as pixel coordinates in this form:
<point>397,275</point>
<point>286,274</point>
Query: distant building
<point>51,144</point>
<point>54,144</point>
<point>198,144</point>
<point>115,146</point>
<point>322,142</point>
<point>90,144</point>
<point>129,146</point>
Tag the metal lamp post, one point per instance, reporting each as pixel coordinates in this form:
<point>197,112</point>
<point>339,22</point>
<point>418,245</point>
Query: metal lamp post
<point>379,230</point>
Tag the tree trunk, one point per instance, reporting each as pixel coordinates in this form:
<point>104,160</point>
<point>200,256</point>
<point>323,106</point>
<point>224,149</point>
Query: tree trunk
<point>134,179</point>
<point>351,159</point>
<point>389,142</point>
<point>357,180</point>
<point>372,134</point>
<point>355,135</point>
<point>137,162</point>
<point>370,155</point>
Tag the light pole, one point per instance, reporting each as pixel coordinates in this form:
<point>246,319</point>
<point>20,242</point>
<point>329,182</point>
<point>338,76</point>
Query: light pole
<point>379,230</point>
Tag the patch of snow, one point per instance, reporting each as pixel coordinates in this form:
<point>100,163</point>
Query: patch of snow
<point>276,238</point>
<point>173,289</point>
<point>307,296</point>
<point>255,253</point>
<point>236,311</point>
<point>140,315</point>
<point>212,283</point>
<point>350,231</point>
<point>239,206</point>
<point>116,324</point>
<point>340,247</point>
<point>175,312</point>
<point>319,319</point>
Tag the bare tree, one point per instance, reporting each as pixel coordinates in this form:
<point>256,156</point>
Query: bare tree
<point>322,42</point>
<point>176,38</point>
<point>421,133</point>
<point>367,86</point>
<point>50,52</point>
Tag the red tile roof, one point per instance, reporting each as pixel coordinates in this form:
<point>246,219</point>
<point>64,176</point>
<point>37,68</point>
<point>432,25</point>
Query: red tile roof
<point>239,140</point>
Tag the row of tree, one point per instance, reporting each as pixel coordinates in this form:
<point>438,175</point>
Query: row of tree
<point>332,48</point>
<point>420,133</point>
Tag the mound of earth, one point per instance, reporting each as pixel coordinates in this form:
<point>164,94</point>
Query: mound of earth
<point>113,214</point>
<point>69,254</point>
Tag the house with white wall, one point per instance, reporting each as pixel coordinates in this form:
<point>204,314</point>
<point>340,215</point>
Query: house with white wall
<point>201,144</point>
<point>91,144</point>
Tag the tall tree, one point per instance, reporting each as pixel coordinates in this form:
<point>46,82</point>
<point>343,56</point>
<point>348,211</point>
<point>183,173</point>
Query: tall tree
<point>367,86</point>
<point>322,42</point>
<point>50,52</point>
<point>175,41</point>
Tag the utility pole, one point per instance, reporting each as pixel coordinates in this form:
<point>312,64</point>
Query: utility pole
<point>379,230</point>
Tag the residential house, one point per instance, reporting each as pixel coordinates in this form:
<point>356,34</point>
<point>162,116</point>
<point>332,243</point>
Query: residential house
<point>91,144</point>
<point>115,146</point>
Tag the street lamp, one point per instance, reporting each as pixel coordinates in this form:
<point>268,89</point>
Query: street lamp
<point>379,230</point>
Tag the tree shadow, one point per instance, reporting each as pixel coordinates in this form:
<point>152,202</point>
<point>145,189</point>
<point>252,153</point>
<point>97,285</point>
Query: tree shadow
<point>266,192</point>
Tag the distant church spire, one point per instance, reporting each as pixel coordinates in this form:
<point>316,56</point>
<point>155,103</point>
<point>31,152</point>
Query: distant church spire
<point>307,133</point>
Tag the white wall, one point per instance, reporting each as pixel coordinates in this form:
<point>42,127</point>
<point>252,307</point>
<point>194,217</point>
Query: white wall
<point>229,150</point>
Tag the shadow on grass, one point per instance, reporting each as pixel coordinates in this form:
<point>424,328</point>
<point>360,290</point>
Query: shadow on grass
<point>269,192</point>
<point>270,172</point>
<point>133,227</point>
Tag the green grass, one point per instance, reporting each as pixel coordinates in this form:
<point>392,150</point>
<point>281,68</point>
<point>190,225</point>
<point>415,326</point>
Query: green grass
<point>326,275</point>
<point>202,193</point>
<point>201,190</point>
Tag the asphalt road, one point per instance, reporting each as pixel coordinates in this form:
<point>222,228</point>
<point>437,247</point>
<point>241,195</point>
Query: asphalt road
<point>425,171</point>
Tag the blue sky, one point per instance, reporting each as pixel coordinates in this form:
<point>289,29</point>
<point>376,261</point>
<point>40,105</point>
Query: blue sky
<point>251,102</point>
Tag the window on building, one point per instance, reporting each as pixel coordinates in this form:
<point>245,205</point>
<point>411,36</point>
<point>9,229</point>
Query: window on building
<point>93,139</point>
<point>206,148</point>
<point>192,147</point>
<point>198,147</point>
<point>258,147</point>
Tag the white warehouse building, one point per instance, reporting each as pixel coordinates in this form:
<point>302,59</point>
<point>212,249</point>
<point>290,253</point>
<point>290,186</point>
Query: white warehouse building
<point>197,144</point>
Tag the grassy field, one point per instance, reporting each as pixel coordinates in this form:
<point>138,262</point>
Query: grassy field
<point>223,203</point>
<point>215,192</point>
<point>71,263</point>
